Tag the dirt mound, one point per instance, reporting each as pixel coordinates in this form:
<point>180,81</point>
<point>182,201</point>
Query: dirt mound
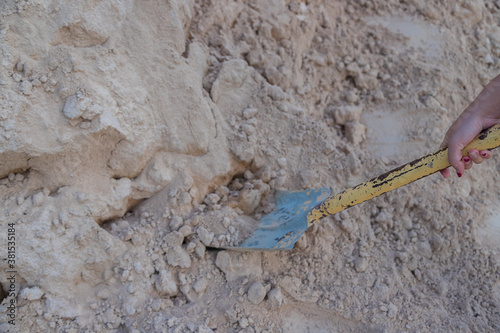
<point>137,137</point>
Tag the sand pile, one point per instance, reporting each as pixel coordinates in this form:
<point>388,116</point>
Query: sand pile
<point>135,137</point>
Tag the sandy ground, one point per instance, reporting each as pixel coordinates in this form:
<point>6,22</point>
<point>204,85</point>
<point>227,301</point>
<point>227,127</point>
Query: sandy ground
<point>136,137</point>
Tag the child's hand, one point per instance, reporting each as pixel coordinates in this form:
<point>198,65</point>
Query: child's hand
<point>458,136</point>
<point>482,113</point>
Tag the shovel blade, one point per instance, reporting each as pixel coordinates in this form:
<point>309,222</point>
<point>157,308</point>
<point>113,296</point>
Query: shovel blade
<point>280,229</point>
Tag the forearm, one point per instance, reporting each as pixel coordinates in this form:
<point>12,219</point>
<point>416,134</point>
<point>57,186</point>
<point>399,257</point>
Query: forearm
<point>486,106</point>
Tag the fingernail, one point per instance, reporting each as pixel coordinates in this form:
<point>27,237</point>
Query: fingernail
<point>459,174</point>
<point>483,154</point>
<point>473,154</point>
<point>466,159</point>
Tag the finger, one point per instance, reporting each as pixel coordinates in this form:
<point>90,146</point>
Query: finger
<point>445,172</point>
<point>486,154</point>
<point>475,156</point>
<point>467,162</point>
<point>455,157</point>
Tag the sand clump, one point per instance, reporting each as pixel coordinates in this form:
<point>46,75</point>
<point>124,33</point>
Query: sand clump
<point>136,138</point>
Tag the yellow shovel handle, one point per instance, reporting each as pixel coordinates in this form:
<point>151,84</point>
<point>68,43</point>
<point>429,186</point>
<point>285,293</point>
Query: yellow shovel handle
<point>405,174</point>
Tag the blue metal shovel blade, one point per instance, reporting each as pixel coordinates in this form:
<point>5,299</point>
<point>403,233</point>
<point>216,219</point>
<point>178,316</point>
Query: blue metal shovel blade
<point>280,229</point>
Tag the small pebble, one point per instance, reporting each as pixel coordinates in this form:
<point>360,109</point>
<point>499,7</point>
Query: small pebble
<point>243,323</point>
<point>212,199</point>
<point>129,309</point>
<point>360,264</point>
<point>103,293</point>
<point>282,162</point>
<point>38,199</point>
<point>248,175</point>
<point>200,285</point>
<point>226,222</point>
<point>249,113</point>
<point>186,230</point>
<point>275,298</point>
<point>175,222</point>
<point>205,236</point>
<point>17,77</point>
<point>31,294</point>
<point>256,293</point>
<point>392,310</point>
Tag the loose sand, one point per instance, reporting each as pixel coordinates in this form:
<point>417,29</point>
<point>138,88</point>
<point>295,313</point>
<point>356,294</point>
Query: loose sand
<point>137,136</point>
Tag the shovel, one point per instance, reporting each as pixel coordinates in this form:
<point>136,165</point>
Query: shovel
<point>297,211</point>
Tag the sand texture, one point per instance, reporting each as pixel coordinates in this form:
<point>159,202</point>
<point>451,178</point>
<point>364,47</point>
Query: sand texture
<point>138,137</point>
